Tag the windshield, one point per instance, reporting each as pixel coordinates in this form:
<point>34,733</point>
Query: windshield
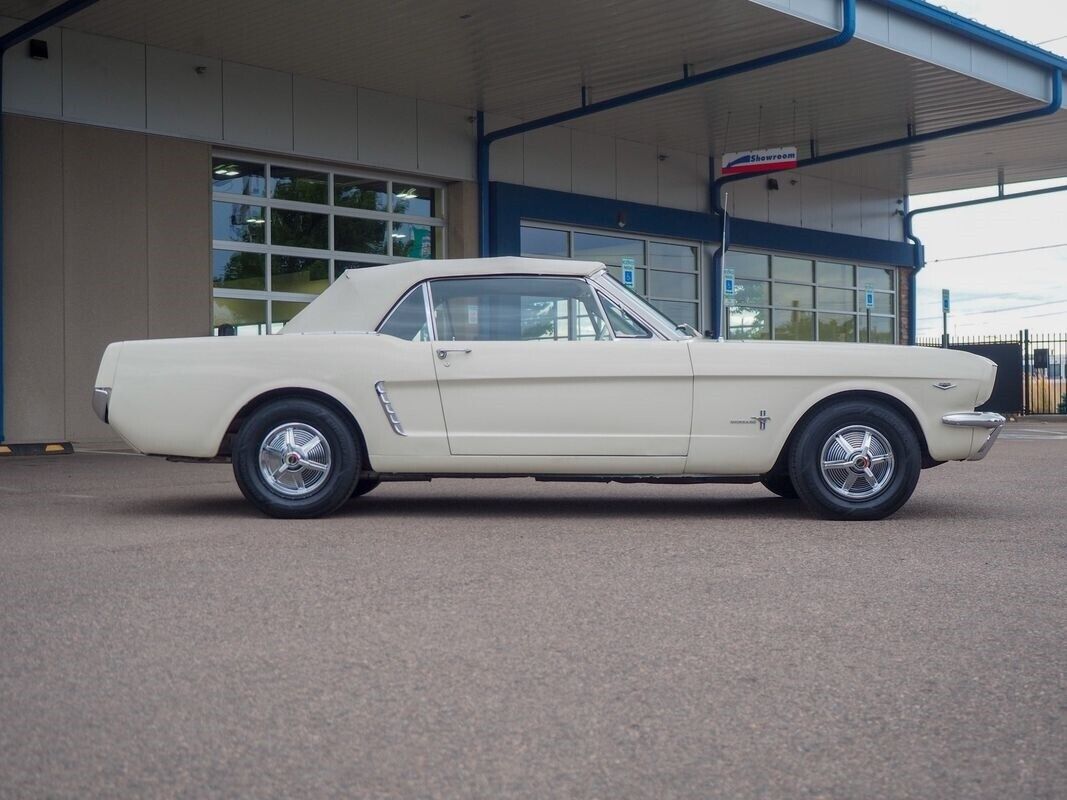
<point>649,310</point>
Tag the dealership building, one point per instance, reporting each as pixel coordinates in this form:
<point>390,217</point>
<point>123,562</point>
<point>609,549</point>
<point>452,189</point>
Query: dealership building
<point>190,168</point>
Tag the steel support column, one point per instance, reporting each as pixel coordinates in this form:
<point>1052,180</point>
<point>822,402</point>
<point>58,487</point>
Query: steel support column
<point>7,41</point>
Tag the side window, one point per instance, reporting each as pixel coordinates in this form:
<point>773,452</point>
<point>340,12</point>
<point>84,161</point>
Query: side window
<point>513,309</point>
<point>624,325</point>
<point>408,320</point>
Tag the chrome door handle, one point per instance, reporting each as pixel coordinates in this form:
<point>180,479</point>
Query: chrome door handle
<point>442,352</point>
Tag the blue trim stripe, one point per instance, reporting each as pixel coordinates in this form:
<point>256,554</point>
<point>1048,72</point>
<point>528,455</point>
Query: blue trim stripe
<point>511,203</point>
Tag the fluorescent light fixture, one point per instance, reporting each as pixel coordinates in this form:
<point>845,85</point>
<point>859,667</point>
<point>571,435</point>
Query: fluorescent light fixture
<point>255,221</point>
<point>407,194</point>
<point>400,236</point>
<point>233,173</point>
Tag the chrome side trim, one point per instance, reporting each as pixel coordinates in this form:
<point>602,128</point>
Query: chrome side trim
<point>994,423</point>
<point>101,398</point>
<point>387,407</point>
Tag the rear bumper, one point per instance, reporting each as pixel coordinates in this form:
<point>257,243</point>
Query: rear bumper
<point>986,420</point>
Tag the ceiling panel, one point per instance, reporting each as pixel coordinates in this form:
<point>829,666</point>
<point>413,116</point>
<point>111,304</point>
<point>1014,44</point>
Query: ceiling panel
<point>525,60</point>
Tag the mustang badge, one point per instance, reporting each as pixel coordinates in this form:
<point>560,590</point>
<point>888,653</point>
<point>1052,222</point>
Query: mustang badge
<point>762,419</point>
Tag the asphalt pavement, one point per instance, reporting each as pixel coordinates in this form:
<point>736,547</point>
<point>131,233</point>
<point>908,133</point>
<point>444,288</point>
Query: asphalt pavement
<point>499,639</point>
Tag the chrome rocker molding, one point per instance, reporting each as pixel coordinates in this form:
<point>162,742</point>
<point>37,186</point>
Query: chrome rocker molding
<point>101,397</point>
<point>994,423</point>
<point>387,407</point>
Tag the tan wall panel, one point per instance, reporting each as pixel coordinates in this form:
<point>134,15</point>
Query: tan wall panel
<point>33,280</point>
<point>104,225</point>
<point>462,200</point>
<point>179,238</point>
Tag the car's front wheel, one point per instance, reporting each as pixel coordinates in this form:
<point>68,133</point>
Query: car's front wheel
<point>780,484</point>
<point>855,460</point>
<point>296,458</point>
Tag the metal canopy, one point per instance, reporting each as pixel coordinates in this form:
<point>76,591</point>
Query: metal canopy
<point>525,60</point>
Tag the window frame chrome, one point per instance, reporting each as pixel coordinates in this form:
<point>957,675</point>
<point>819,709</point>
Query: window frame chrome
<point>599,281</point>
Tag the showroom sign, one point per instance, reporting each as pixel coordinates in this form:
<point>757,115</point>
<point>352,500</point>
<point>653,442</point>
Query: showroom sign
<point>773,158</point>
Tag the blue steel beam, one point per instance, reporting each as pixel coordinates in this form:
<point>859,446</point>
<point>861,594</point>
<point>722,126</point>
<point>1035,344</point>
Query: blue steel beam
<point>7,41</point>
<point>1054,105</point>
<point>485,140</point>
<point>920,259</point>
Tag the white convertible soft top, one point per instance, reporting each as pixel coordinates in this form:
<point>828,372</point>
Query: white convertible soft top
<point>360,298</point>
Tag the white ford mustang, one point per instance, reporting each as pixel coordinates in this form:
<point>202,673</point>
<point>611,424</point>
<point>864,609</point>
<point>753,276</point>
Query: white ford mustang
<point>548,369</point>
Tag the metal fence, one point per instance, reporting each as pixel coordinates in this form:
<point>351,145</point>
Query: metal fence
<point>1043,368</point>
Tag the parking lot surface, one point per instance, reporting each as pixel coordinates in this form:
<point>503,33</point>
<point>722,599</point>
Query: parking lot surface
<point>518,639</point>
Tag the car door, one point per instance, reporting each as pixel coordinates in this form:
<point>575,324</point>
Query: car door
<point>527,365</point>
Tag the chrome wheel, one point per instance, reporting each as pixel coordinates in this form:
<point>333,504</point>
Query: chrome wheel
<point>857,462</point>
<point>294,459</point>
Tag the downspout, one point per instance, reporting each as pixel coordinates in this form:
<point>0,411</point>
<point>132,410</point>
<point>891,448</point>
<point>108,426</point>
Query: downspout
<point>7,41</point>
<point>920,258</point>
<point>485,140</point>
<point>1052,107</point>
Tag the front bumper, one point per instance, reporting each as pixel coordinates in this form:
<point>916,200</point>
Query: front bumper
<point>101,397</point>
<point>986,420</point>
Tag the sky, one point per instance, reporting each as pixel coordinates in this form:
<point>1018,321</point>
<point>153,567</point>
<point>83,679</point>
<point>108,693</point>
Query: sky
<point>1003,293</point>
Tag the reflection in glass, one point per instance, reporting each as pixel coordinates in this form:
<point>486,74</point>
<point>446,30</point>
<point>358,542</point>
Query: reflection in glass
<point>281,311</point>
<point>639,279</point>
<point>360,235</point>
<point>299,229</point>
<point>624,325</point>
<point>837,327</point>
<point>673,284</point>
<point>877,277</point>
<point>672,256</point>
<point>752,293</point>
<point>795,325</point>
<point>237,177</point>
<point>678,312</point>
<point>362,193</point>
<point>748,265</point>
<point>420,201</point>
<point>235,222</point>
<point>792,269</point>
<point>238,317</point>
<point>836,299</point>
<point>542,242</point>
<point>831,274</point>
<point>408,320</point>
<point>516,309</point>
<point>608,249</point>
<point>298,185</point>
<point>748,323</point>
<point>880,330</point>
<point>413,241</point>
<point>298,275</point>
<point>788,295</point>
<point>233,270</point>
<point>883,303</point>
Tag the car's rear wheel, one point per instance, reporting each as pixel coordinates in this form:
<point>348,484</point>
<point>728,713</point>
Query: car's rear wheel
<point>781,485</point>
<point>855,460</point>
<point>296,458</point>
<point>365,485</point>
